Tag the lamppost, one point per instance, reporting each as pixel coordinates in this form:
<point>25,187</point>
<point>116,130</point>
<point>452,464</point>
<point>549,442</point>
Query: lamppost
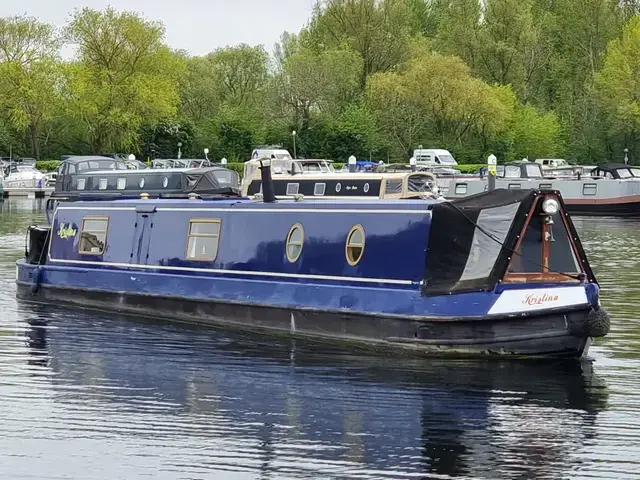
<point>206,152</point>
<point>179,151</point>
<point>293,134</point>
<point>626,156</point>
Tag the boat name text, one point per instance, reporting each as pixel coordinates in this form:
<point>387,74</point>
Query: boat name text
<point>66,231</point>
<point>533,299</point>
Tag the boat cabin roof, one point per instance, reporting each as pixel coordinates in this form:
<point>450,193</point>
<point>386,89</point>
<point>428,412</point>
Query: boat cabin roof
<point>517,169</point>
<point>288,166</point>
<point>86,163</point>
<point>206,181</point>
<point>306,203</point>
<point>616,170</point>
<point>180,163</point>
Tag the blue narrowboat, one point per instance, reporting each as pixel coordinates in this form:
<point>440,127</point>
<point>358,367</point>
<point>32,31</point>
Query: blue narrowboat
<point>501,272</point>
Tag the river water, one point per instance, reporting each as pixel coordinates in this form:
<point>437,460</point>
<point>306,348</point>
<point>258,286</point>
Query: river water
<point>97,396</point>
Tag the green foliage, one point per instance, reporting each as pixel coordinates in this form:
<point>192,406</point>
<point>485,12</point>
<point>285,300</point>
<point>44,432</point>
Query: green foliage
<point>125,76</point>
<point>535,135</point>
<point>371,78</point>
<point>619,85</point>
<point>47,165</point>
<point>378,30</point>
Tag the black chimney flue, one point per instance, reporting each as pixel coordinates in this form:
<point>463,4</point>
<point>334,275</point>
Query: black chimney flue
<point>267,182</point>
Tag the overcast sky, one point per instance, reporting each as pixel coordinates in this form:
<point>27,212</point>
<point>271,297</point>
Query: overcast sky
<point>198,26</point>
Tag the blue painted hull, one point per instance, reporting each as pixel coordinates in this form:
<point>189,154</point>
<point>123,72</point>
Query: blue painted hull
<point>249,283</point>
<point>270,307</point>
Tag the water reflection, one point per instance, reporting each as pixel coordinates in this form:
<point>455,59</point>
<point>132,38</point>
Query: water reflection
<point>287,410</point>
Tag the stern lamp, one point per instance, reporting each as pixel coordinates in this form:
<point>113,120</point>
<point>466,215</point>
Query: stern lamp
<point>550,206</point>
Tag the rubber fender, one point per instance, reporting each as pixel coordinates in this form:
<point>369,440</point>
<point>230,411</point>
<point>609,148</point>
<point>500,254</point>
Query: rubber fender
<point>37,278</point>
<point>598,322</point>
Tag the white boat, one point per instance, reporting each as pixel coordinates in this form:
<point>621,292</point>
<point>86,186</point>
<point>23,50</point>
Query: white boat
<point>23,176</point>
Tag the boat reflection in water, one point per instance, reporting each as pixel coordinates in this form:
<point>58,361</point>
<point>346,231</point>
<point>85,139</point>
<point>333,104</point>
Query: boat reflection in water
<point>294,410</point>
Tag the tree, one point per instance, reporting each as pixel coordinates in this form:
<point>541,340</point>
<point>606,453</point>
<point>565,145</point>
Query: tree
<point>434,99</point>
<point>200,95</point>
<point>29,76</point>
<point>378,30</point>
<point>24,40</point>
<point>242,72</point>
<point>459,29</point>
<point>124,76</point>
<point>619,85</point>
<point>535,135</point>
<point>307,82</point>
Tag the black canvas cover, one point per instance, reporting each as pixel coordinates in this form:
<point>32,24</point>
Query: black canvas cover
<point>460,255</point>
<point>210,181</point>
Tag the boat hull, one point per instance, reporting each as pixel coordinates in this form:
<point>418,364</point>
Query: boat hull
<point>623,207</point>
<point>540,334</point>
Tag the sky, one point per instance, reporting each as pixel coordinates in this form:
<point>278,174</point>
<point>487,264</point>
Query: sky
<point>198,26</point>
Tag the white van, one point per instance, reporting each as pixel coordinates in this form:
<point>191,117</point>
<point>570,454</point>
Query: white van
<point>270,152</point>
<point>433,156</point>
<point>552,162</point>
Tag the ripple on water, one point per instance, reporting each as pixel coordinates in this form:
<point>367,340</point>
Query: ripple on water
<point>94,396</point>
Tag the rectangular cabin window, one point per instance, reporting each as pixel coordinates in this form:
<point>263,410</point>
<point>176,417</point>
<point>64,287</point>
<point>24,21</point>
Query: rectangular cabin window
<point>545,186</point>
<point>93,237</point>
<point>589,189</point>
<point>461,188</point>
<point>204,239</point>
<point>102,184</point>
<point>319,188</point>
<point>81,183</point>
<point>121,184</point>
<point>514,186</point>
<point>393,186</point>
<point>292,188</point>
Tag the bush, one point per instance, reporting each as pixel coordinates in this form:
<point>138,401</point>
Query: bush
<point>47,165</point>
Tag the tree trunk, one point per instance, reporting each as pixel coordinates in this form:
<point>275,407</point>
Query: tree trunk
<point>34,137</point>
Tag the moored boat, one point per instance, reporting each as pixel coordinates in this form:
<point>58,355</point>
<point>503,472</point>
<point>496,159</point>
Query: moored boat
<point>91,177</point>
<point>612,189</point>
<point>317,178</point>
<point>502,272</point>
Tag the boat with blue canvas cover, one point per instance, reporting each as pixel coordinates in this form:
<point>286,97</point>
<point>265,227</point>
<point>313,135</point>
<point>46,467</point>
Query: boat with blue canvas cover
<point>501,272</point>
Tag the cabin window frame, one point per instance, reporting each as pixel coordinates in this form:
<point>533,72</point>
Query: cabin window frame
<point>83,231</point>
<point>545,275</point>
<point>203,235</point>
<point>121,183</point>
<point>81,184</point>
<point>103,183</point>
<point>349,246</point>
<point>323,190</point>
<point>593,186</point>
<point>290,185</point>
<point>461,189</point>
<point>288,242</point>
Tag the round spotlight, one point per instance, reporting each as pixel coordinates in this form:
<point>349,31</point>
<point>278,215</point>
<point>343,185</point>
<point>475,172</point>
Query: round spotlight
<point>550,206</point>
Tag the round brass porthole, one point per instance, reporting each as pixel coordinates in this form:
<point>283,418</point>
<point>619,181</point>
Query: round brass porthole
<point>295,241</point>
<point>354,247</point>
